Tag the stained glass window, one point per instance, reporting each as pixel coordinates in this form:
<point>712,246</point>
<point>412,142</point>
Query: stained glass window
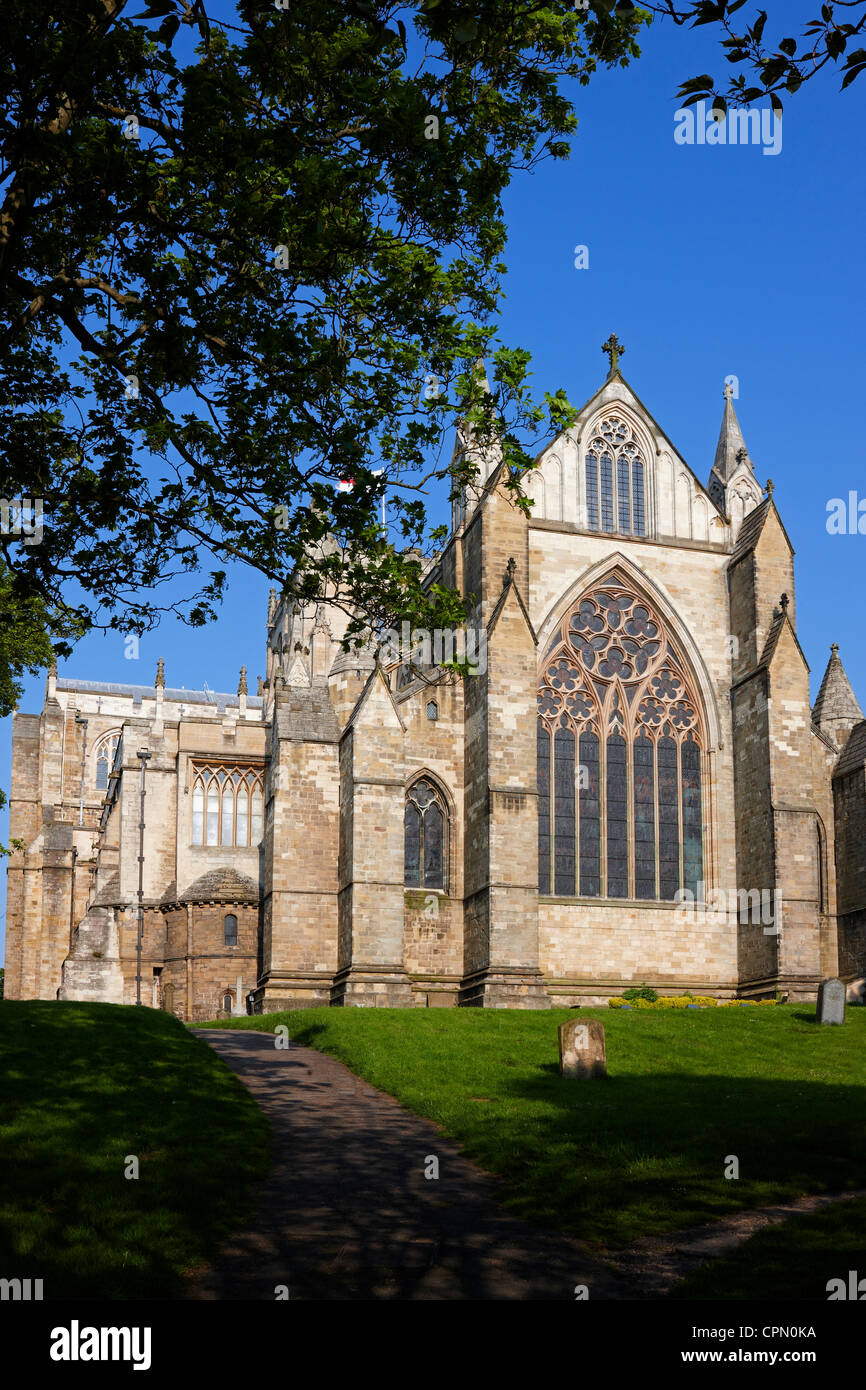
<point>626,819</point>
<point>592,492</point>
<point>563,820</point>
<point>693,858</point>
<point>590,839</point>
<point>105,750</point>
<point>231,929</point>
<point>221,800</point>
<point>425,829</point>
<point>614,474</point>
<point>543,807</point>
<point>644,817</point>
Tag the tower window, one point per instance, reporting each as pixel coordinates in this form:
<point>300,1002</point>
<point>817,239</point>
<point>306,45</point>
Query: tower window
<point>615,481</point>
<point>231,929</point>
<point>432,710</point>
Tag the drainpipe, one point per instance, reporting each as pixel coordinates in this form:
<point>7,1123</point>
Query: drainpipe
<point>144,755</point>
<point>79,720</point>
<point>72,897</point>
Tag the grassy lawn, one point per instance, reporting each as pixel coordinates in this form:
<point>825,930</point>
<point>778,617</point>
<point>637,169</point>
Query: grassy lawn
<point>643,1151</point>
<point>81,1087</point>
<point>791,1261</point>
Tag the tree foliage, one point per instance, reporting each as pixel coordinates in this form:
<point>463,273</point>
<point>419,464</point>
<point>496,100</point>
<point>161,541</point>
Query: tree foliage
<point>232,252</point>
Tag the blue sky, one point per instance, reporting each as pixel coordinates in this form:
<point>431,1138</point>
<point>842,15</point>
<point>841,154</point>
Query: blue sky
<point>706,261</point>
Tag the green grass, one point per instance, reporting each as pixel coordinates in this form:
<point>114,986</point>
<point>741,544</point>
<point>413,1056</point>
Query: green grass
<point>643,1151</point>
<point>81,1087</point>
<point>792,1261</point>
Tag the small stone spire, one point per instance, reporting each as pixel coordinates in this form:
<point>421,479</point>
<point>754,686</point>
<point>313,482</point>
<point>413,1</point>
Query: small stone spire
<point>272,604</point>
<point>242,683</point>
<point>160,675</point>
<point>769,488</point>
<point>836,709</point>
<point>731,451</point>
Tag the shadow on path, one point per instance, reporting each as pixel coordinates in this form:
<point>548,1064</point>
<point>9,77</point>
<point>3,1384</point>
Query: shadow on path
<point>347,1212</point>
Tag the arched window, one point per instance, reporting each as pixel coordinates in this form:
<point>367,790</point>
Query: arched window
<point>615,480</point>
<point>227,1002</point>
<point>620,740</point>
<point>231,929</point>
<point>425,825</point>
<point>227,805</point>
<point>105,750</point>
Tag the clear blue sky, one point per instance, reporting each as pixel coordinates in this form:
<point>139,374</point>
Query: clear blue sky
<point>706,261</point>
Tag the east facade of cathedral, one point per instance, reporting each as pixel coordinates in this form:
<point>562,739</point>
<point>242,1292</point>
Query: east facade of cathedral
<point>631,788</point>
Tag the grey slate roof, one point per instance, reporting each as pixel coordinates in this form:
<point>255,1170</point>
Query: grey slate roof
<point>304,714</point>
<point>750,530</point>
<point>219,699</point>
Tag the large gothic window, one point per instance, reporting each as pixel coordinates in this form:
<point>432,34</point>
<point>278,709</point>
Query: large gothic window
<point>227,805</point>
<point>105,751</point>
<point>620,739</point>
<point>425,826</point>
<point>615,480</point>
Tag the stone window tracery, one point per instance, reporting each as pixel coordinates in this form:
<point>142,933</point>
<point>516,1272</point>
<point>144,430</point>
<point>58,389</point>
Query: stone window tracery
<point>620,738</point>
<point>615,480</point>
<point>425,828</point>
<point>105,750</point>
<point>227,805</point>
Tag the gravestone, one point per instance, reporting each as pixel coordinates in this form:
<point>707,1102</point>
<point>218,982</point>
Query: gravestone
<point>581,1048</point>
<point>831,1001</point>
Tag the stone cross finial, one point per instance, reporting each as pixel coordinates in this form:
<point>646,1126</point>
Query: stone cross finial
<point>614,349</point>
<point>242,683</point>
<point>769,489</point>
<point>160,674</point>
<point>729,390</point>
<point>834,648</point>
<point>784,600</point>
<point>510,569</point>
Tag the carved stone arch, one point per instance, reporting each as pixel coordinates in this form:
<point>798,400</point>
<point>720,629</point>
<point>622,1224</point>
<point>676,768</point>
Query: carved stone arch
<point>624,776</point>
<point>416,838</point>
<point>537,490</point>
<point>683,506</point>
<point>658,598</point>
<point>701,518</point>
<point>553,488</point>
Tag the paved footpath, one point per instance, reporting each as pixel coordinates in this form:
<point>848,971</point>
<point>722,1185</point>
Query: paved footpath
<point>346,1212</point>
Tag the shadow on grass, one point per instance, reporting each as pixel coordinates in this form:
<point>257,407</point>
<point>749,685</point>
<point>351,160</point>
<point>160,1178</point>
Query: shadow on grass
<point>84,1088</point>
<point>626,1156</point>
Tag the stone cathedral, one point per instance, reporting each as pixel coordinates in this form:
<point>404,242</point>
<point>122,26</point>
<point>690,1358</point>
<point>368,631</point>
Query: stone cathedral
<point>362,832</point>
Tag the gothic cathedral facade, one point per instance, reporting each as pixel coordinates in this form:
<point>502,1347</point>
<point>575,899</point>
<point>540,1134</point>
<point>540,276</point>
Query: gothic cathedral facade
<point>632,787</point>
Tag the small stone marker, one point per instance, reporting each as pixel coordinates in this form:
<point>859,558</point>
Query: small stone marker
<point>831,1002</point>
<point>581,1048</point>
